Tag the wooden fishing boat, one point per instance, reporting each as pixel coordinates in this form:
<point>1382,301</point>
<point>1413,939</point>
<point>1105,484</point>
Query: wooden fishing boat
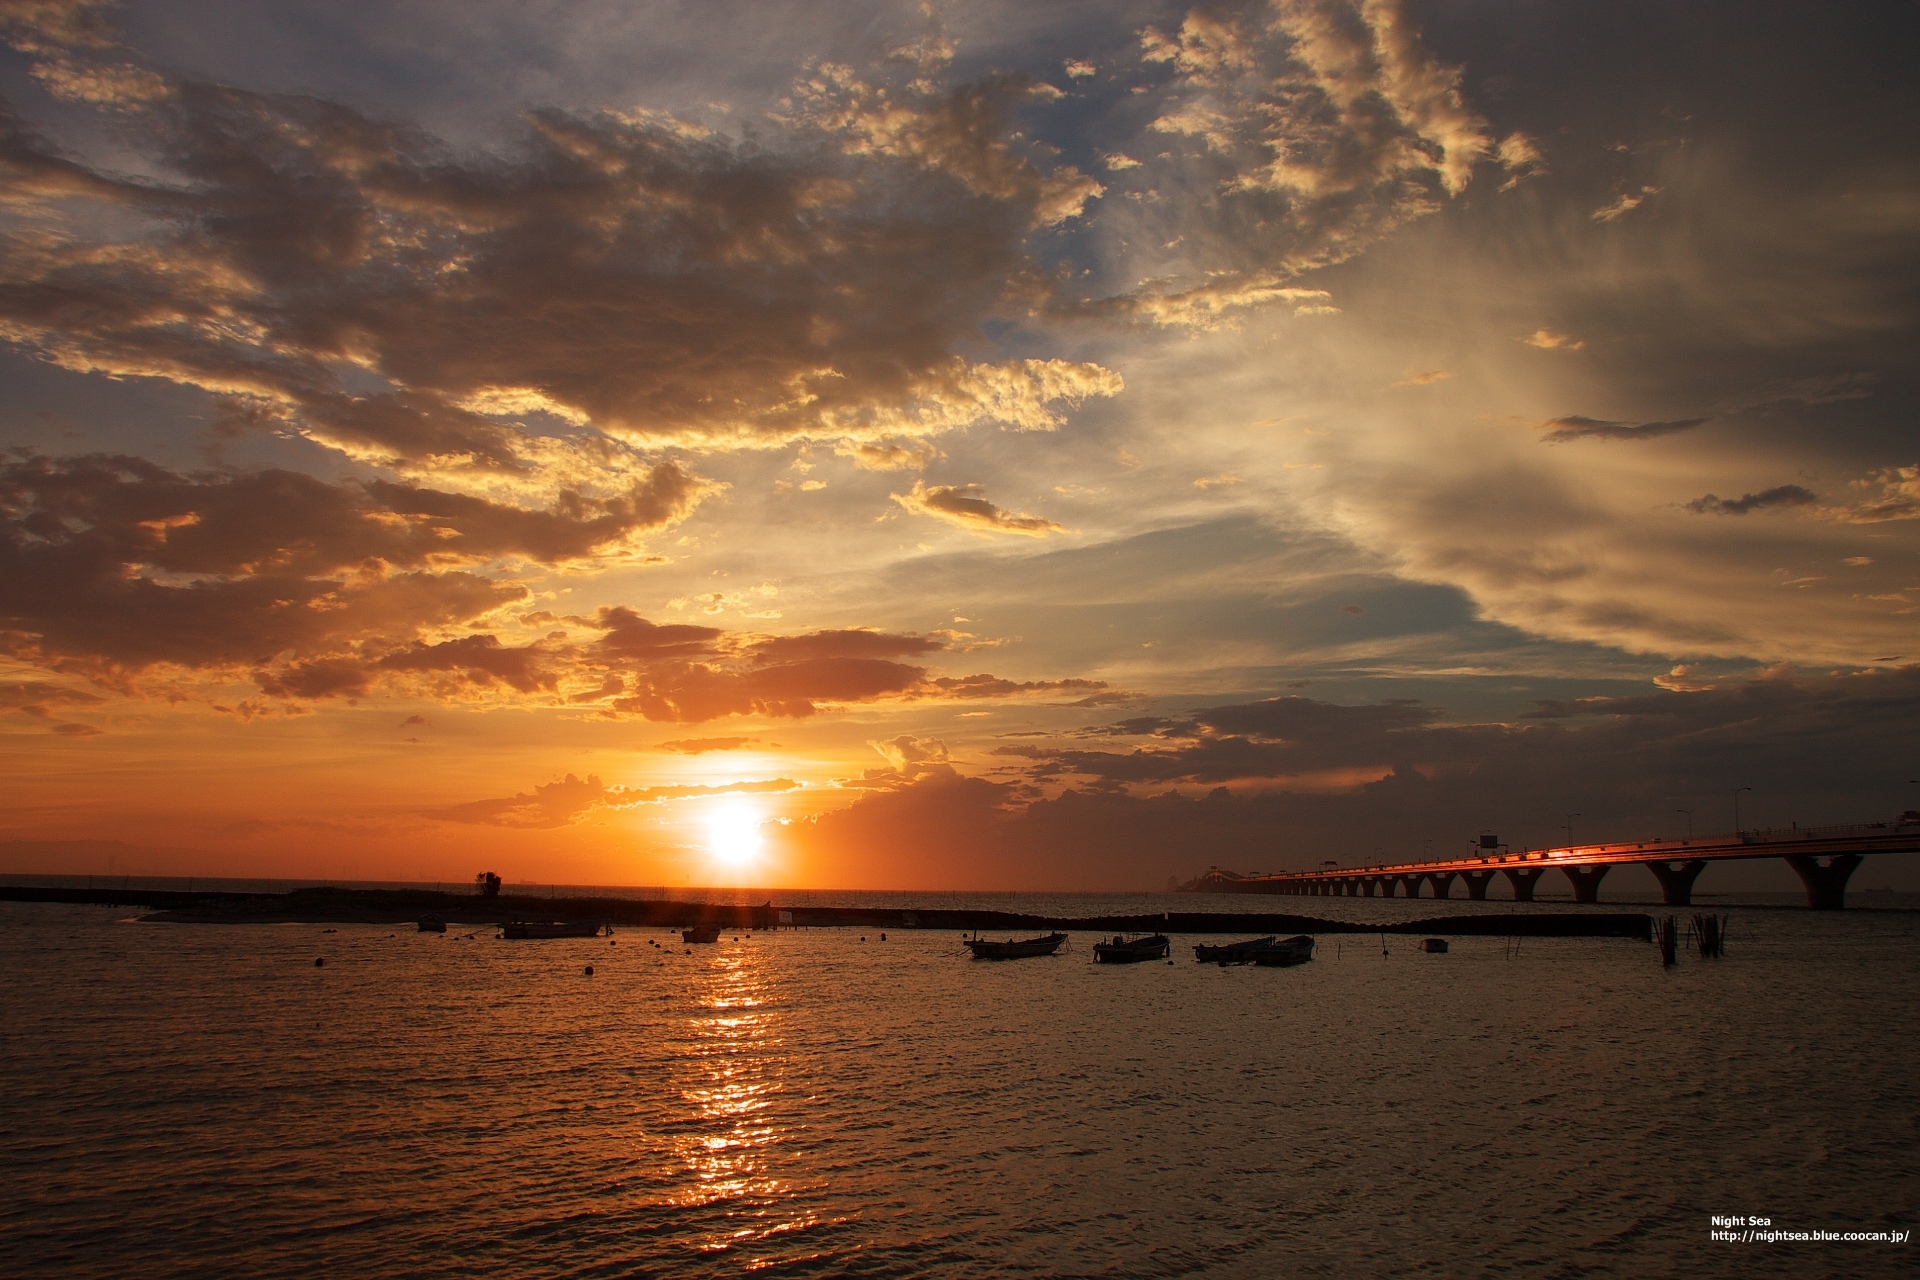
<point>1232,952</point>
<point>1015,949</point>
<point>1295,950</point>
<point>432,924</point>
<point>1122,950</point>
<point>701,933</point>
<point>551,929</point>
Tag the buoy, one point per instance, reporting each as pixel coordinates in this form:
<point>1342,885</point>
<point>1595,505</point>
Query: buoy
<point>883,937</point>
<point>689,950</point>
<point>319,962</point>
<point>589,971</point>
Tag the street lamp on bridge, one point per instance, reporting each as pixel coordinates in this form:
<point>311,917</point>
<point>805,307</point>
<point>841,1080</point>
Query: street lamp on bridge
<point>1736,808</point>
<point>1569,826</point>
<point>1689,814</point>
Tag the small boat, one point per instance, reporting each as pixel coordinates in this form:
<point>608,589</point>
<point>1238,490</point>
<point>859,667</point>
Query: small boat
<point>1232,952</point>
<point>1131,950</point>
<point>701,933</point>
<point>1435,946</point>
<point>551,929</point>
<point>1295,950</point>
<point>432,924</point>
<point>1013,949</point>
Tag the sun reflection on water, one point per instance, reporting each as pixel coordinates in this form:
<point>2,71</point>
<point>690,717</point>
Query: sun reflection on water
<point>733,1126</point>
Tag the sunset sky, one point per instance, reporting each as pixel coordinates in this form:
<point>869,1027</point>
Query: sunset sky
<point>954,445</point>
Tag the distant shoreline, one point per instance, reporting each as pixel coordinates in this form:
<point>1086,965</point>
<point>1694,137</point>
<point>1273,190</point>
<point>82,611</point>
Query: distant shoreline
<point>404,906</point>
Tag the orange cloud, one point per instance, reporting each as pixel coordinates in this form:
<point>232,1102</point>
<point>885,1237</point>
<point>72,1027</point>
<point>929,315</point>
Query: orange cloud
<point>966,506</point>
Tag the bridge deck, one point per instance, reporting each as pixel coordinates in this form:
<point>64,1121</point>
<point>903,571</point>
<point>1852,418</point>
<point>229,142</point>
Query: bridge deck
<point>1861,838</point>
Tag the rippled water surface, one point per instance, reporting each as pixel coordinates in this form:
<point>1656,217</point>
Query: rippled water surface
<point>204,1101</point>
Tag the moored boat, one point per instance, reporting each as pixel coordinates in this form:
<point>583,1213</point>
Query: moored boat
<point>701,933</point>
<point>1232,952</point>
<point>1015,949</point>
<point>1295,950</point>
<point>432,924</point>
<point>551,929</point>
<point>1122,950</point>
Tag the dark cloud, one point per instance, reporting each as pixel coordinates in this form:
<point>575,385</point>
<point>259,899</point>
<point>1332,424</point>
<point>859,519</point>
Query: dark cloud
<point>1813,748</point>
<point>1283,739</point>
<point>615,278</point>
<point>37,698</point>
<point>1786,495</point>
<point>842,644</point>
<point>695,692</point>
<point>117,562</point>
<point>1564,430</point>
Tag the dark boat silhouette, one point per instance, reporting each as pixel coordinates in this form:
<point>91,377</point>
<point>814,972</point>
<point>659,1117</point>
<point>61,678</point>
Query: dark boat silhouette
<point>701,933</point>
<point>432,924</point>
<point>1231,952</point>
<point>1015,949</point>
<point>1131,950</point>
<point>551,929</point>
<point>1295,950</point>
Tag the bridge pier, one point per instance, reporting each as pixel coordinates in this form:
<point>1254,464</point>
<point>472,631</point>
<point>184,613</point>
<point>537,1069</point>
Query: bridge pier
<point>1586,881</point>
<point>1524,880</point>
<point>1826,883</point>
<point>1413,885</point>
<point>1386,886</point>
<point>1676,879</point>
<point>1368,885</point>
<point>1477,882</point>
<point>1353,888</point>
<point>1442,882</point>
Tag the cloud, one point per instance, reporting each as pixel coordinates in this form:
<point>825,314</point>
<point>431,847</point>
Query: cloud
<point>37,698</point>
<point>1314,127</point>
<point>1408,781</point>
<point>1520,156</point>
<point>1786,495</point>
<point>610,282</point>
<point>1548,340</point>
<point>1565,430</point>
<point>1898,498</point>
<point>118,563</point>
<point>891,455</point>
<point>1426,379</point>
<point>688,674</point>
<point>1332,747</point>
<point>700,746</point>
<point>571,800</point>
<point>966,505</point>
<point>963,131</point>
<point>44,26</point>
<point>1625,204</point>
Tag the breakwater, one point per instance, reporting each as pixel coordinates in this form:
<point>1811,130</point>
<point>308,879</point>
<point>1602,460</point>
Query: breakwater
<point>395,906</point>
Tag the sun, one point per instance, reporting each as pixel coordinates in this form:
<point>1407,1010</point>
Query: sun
<point>733,833</point>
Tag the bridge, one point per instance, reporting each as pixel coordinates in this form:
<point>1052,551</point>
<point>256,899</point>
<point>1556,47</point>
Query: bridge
<point>1823,857</point>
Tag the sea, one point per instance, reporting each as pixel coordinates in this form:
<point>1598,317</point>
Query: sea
<point>209,1101</point>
